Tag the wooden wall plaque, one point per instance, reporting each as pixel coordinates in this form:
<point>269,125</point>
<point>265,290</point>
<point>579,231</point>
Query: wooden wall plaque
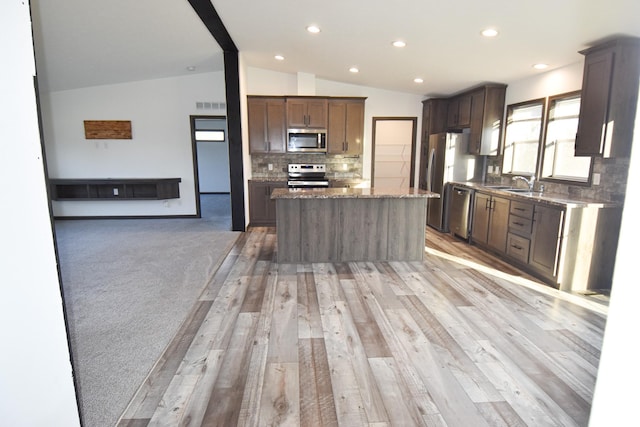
<point>107,129</point>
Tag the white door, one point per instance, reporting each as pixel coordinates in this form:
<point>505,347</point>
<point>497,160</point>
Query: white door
<point>393,152</point>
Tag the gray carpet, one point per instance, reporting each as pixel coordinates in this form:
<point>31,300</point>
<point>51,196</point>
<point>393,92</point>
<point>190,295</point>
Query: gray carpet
<point>128,285</point>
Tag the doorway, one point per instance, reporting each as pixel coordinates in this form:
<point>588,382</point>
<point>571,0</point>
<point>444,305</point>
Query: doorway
<point>210,145</point>
<point>393,152</point>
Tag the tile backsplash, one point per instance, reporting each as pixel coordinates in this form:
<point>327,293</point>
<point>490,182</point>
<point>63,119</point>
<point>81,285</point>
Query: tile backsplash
<point>338,166</point>
<point>613,180</point>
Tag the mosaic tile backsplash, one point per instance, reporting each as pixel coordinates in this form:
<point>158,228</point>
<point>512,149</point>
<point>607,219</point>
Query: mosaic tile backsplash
<point>338,166</point>
<point>612,187</point>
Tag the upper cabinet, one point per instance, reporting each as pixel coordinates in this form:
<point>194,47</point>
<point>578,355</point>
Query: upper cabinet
<point>307,113</point>
<point>609,99</point>
<point>487,108</point>
<point>345,131</point>
<point>267,125</point>
<point>480,110</point>
<point>459,112</point>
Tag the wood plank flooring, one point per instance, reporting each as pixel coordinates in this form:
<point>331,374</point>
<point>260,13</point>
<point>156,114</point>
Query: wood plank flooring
<point>431,343</point>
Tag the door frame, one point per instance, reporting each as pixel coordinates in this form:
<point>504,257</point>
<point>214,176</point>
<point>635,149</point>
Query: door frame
<point>414,132</point>
<point>194,154</point>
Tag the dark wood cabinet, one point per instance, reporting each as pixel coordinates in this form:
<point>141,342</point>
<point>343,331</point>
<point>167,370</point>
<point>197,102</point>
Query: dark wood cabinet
<point>609,99</point>
<point>345,131</point>
<point>459,112</point>
<point>307,113</point>
<point>267,125</point>
<point>262,210</point>
<point>485,130</point>
<point>490,221</point>
<point>545,239</point>
<point>115,189</point>
<point>434,120</point>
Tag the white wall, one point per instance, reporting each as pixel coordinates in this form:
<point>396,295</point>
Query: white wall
<point>36,384</point>
<point>550,83</point>
<point>161,146</point>
<point>379,103</point>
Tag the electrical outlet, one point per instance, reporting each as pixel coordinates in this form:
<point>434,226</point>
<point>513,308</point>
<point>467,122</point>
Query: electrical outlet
<point>345,166</point>
<point>270,166</point>
<point>596,179</point>
<point>116,192</point>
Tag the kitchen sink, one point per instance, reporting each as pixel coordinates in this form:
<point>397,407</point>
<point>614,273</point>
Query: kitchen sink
<point>499,187</point>
<point>524,191</point>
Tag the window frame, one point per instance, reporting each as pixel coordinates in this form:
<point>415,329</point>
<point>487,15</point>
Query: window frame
<point>543,104</point>
<point>539,174</point>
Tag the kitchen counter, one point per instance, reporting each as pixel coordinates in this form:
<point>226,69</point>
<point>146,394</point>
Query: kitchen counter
<point>552,199</point>
<point>350,224</point>
<point>351,193</point>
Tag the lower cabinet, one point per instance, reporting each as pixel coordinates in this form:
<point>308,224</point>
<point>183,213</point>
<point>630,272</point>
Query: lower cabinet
<point>572,248</point>
<point>490,221</point>
<point>262,210</point>
<point>545,240</point>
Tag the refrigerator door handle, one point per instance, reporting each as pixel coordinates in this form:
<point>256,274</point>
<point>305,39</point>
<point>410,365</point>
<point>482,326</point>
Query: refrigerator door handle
<point>430,171</point>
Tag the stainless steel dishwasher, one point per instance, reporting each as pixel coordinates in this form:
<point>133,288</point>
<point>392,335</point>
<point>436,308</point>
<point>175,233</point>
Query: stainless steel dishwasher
<point>459,211</point>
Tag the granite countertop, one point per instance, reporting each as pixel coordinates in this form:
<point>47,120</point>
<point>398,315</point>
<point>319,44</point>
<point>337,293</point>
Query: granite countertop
<point>353,193</point>
<point>553,199</point>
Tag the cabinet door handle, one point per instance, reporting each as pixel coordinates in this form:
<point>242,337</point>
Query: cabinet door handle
<point>347,146</point>
<point>519,209</point>
<point>519,223</point>
<point>486,204</point>
<point>517,247</point>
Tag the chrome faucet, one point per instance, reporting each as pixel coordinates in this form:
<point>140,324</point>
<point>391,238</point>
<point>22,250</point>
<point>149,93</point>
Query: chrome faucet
<point>529,182</point>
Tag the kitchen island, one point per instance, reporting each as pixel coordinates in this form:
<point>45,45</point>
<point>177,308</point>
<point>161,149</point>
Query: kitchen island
<point>350,224</point>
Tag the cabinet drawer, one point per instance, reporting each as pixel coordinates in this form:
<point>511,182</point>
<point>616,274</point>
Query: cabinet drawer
<point>518,247</point>
<point>524,210</point>
<point>520,225</point>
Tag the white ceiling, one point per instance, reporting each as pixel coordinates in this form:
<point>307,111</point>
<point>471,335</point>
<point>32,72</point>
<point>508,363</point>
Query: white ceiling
<point>83,43</point>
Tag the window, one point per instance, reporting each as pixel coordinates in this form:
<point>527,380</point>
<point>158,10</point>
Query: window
<point>209,129</point>
<point>522,137</point>
<point>558,159</point>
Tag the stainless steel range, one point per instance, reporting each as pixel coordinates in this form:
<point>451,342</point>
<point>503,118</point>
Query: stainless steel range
<point>307,175</point>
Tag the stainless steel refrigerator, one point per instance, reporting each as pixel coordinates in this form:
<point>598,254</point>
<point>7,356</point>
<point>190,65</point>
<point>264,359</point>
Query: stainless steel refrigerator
<point>448,161</point>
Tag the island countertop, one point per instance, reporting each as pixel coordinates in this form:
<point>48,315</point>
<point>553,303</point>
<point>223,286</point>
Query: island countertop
<point>352,193</point>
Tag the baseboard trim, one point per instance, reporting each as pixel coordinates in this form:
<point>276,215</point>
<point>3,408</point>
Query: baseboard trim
<point>125,217</point>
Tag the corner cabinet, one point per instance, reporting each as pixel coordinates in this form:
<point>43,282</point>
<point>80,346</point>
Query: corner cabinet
<point>609,99</point>
<point>345,131</point>
<point>307,113</point>
<point>262,210</point>
<point>479,109</point>
<point>267,125</point>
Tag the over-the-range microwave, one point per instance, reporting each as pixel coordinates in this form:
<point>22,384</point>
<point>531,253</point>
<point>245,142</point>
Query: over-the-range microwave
<point>307,140</point>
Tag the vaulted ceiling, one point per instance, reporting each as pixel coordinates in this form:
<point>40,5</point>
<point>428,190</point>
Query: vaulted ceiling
<point>82,43</point>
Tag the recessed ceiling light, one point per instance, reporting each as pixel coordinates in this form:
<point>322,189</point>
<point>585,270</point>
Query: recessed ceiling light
<point>191,68</point>
<point>540,66</point>
<point>489,32</point>
<point>354,70</point>
<point>279,57</point>
<point>418,80</point>
<point>399,43</point>
<point>313,29</point>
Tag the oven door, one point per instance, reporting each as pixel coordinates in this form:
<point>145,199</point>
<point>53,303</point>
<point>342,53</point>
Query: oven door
<point>308,184</point>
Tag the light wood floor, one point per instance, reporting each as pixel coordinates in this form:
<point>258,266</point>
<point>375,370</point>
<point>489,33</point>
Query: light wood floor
<point>433,343</point>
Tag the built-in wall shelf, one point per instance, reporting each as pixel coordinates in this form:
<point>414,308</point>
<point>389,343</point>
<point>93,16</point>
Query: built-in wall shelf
<point>115,189</point>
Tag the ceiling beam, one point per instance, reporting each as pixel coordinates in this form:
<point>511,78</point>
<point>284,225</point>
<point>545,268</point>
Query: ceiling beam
<point>212,21</point>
